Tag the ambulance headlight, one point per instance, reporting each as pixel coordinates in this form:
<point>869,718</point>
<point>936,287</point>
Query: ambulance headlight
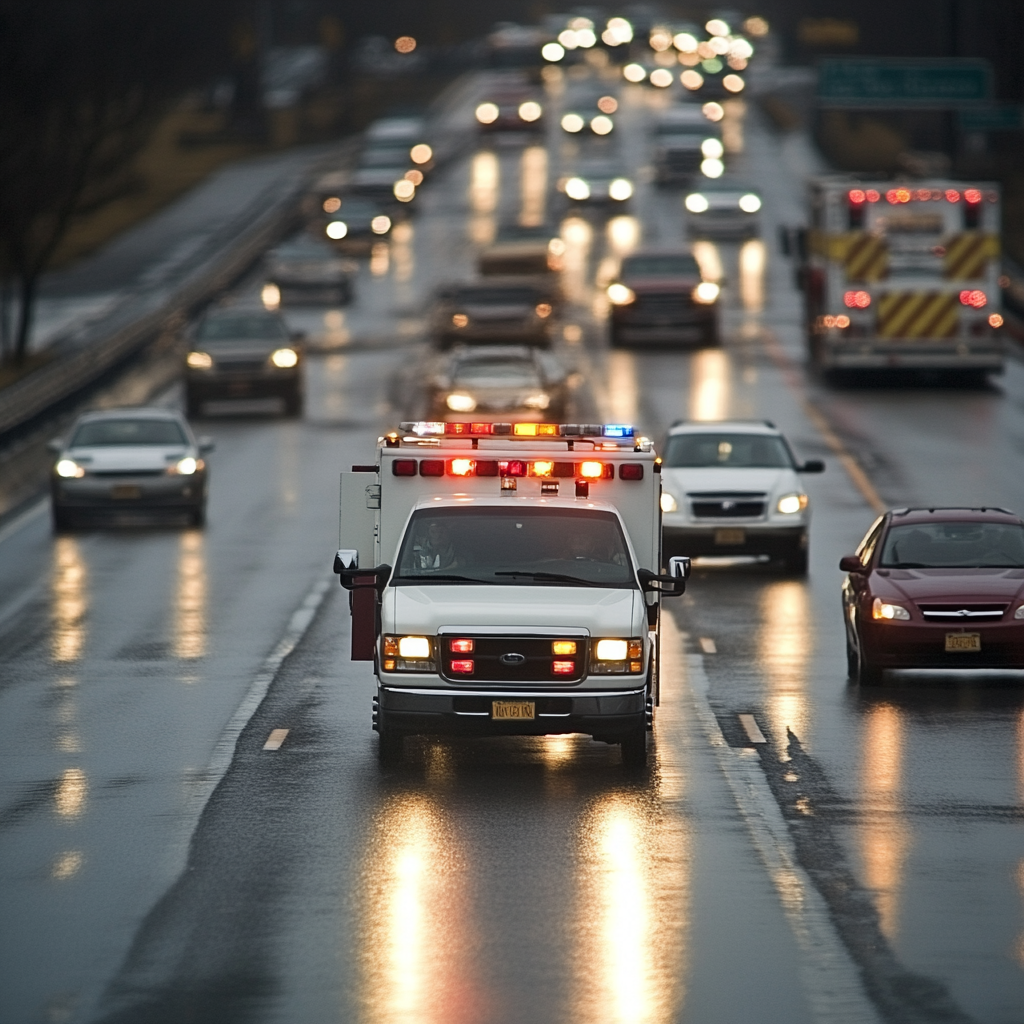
<point>417,647</point>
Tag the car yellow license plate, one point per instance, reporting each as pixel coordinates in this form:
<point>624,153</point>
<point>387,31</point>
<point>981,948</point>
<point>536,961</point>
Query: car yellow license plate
<point>125,491</point>
<point>513,709</point>
<point>731,536</point>
<point>963,641</point>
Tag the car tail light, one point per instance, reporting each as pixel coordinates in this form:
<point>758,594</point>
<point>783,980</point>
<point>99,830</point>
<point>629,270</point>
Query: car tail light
<point>462,666</point>
<point>432,467</point>
<point>972,196</point>
<point>857,196</point>
<point>403,467</point>
<point>631,471</point>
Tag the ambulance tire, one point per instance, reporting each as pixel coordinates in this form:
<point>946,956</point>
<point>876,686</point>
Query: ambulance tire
<point>390,744</point>
<point>634,747</point>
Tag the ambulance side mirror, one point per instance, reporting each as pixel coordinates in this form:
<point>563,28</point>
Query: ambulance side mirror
<point>679,566</point>
<point>666,586</point>
<point>345,558</point>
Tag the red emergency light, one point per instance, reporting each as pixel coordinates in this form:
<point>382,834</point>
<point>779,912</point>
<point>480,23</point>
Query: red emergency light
<point>857,300</point>
<point>461,646</point>
<point>462,666</point>
<point>563,668</point>
<point>973,297</point>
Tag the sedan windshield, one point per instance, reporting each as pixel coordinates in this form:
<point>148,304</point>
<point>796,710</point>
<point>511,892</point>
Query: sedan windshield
<point>765,451</point>
<point>955,545</point>
<point>497,373</point>
<point>515,546</point>
<point>660,266</point>
<point>497,297</point>
<point>242,327</point>
<point>128,432</point>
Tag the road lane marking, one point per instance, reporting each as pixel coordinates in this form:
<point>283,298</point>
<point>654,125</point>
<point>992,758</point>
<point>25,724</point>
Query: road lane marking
<point>275,739</point>
<point>830,979</point>
<point>707,645</point>
<point>752,729</point>
<point>794,381</point>
<point>22,520</point>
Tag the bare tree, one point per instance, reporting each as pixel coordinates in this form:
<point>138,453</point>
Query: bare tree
<point>82,85</point>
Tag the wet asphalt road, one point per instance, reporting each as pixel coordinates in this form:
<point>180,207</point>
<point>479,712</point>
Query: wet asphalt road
<point>157,864</point>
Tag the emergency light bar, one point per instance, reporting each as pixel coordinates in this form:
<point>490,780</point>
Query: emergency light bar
<point>437,428</point>
<point>591,469</point>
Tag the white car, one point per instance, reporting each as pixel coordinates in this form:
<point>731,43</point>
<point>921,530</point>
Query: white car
<point>734,488</point>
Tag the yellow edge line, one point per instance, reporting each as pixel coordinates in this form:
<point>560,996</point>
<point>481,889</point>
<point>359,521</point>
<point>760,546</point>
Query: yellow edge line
<point>857,476</point>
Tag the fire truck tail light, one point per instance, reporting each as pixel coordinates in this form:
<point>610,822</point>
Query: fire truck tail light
<point>461,646</point>
<point>972,196</point>
<point>873,195</point>
<point>432,467</point>
<point>857,196</point>
<point>461,467</point>
<point>463,666</point>
<point>857,300</point>
<point>973,297</point>
<point>403,467</point>
<point>631,471</point>
<point>995,320</point>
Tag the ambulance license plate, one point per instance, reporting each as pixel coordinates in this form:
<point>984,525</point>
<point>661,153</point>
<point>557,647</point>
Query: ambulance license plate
<point>731,536</point>
<point>125,492</point>
<point>505,709</point>
<point>963,641</point>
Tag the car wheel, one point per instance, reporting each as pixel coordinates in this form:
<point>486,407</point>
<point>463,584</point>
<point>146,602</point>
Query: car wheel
<point>634,747</point>
<point>197,517</point>
<point>795,562</point>
<point>851,662</point>
<point>390,744</point>
<point>62,520</point>
<point>294,403</point>
<point>868,673</point>
<point>711,337</point>
<point>193,406</point>
<point>615,339</point>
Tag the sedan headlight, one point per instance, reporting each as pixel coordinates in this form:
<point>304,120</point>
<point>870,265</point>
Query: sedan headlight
<point>537,401</point>
<point>712,148</point>
<point>336,229</point>
<point>668,502</point>
<point>620,189</point>
<point>1019,613</point>
<point>577,188</point>
<point>199,360</point>
<point>487,113</point>
<point>69,469</point>
<point>750,203</point>
<point>696,203</point>
<point>573,123</point>
<point>284,358</point>
<point>530,111</point>
<point>461,403</point>
<point>186,466</point>
<point>380,225</point>
<point>705,293</point>
<point>792,503</point>
<point>882,610</point>
<point>620,294</point>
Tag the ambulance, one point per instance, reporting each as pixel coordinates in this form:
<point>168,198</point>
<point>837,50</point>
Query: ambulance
<point>505,579</point>
<point>903,276</point>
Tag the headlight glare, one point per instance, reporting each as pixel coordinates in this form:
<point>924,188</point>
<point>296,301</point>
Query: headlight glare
<point>69,469</point>
<point>1019,613</point>
<point>186,466</point>
<point>380,225</point>
<point>668,502</point>
<point>414,647</point>
<point>199,360</point>
<point>284,358</point>
<point>696,203</point>
<point>792,503</point>
<point>336,229</point>
<point>620,189</point>
<point>577,188</point>
<point>537,401</point>
<point>461,403</point>
<point>750,203</point>
<point>610,650</point>
<point>620,294</point>
<point>887,612</point>
<point>706,292</point>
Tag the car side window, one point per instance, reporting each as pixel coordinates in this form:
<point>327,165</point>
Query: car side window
<point>867,546</point>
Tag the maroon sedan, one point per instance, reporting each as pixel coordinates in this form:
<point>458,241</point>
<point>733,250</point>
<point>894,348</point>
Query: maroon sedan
<point>936,588</point>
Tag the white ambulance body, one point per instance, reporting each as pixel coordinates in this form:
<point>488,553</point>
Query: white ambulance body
<point>903,275</point>
<point>505,580</point>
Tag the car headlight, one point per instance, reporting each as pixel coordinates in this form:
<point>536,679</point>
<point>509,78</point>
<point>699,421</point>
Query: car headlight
<point>620,294</point>
<point>543,310</point>
<point>380,225</point>
<point>610,650</point>
<point>530,111</point>
<point>487,113</point>
<point>414,647</point>
<point>404,190</point>
<point>573,123</point>
<point>711,167</point>
<point>283,358</point>
<point>69,469</point>
<point>577,188</point>
<point>186,466</point>
<point>750,203</point>
<point>620,189</point>
<point>705,293</point>
<point>460,320</point>
<point>460,403</point>
<point>617,656</point>
<point>696,203</point>
<point>791,503</point>
<point>199,360</point>
<point>882,610</point>
<point>336,229</point>
<point>537,401</point>
<point>668,502</point>
<point>408,654</point>
<point>712,148</point>
<point>601,125</point>
<point>1019,613</point>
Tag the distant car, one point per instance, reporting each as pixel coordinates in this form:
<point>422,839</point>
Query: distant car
<point>683,139</point>
<point>723,209</point>
<point>496,310</point>
<point>734,488</point>
<point>128,460</point>
<point>659,296</point>
<point>523,251</point>
<point>243,353</point>
<point>307,270</point>
<point>935,588</point>
<point>512,109</point>
<point>496,382</point>
<point>597,181</point>
<point>354,222</point>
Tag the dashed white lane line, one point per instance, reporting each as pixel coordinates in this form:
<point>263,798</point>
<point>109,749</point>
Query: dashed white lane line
<point>830,979</point>
<point>275,739</point>
<point>752,729</point>
<point>708,646</point>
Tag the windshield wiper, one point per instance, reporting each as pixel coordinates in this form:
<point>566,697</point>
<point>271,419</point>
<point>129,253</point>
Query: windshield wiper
<point>556,577</point>
<point>447,577</point>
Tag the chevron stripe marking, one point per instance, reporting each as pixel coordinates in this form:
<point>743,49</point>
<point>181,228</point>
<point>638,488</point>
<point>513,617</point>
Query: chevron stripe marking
<point>917,315</point>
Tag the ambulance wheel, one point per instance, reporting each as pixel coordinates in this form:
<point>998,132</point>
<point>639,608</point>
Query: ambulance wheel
<point>634,747</point>
<point>390,745</point>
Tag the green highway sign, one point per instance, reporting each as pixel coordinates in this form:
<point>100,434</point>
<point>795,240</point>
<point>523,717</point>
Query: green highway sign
<point>1001,117</point>
<point>923,83</point>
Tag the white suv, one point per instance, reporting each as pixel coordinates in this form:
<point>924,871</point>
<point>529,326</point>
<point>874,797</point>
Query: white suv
<point>732,488</point>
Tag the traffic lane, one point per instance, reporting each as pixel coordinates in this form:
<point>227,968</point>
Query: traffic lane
<point>501,880</point>
<point>123,668</point>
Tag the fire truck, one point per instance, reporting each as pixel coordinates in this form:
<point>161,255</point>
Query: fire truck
<point>505,579</point>
<point>902,276</point>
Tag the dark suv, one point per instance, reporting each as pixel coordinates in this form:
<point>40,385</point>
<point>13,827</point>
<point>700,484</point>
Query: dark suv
<point>243,353</point>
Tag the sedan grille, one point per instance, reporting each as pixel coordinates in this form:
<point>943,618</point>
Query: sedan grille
<point>126,472</point>
<point>962,612</point>
<point>736,505</point>
<point>511,659</point>
<point>241,365</point>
